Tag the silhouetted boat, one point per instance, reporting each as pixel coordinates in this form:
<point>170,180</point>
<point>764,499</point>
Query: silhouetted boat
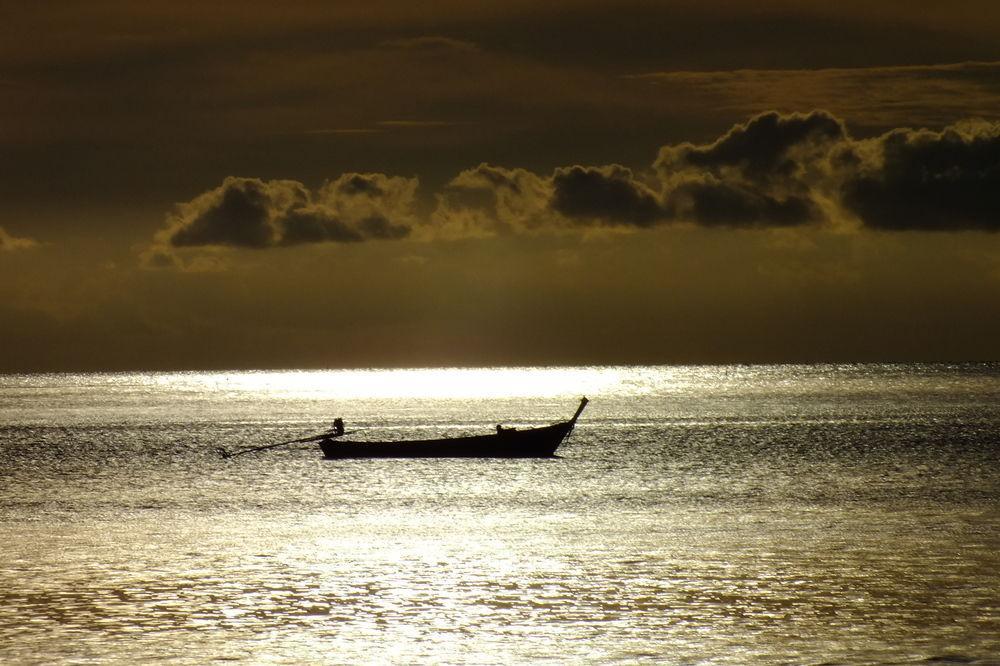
<point>504,443</point>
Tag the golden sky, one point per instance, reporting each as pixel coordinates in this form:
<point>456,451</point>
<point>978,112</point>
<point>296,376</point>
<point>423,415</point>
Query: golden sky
<point>315,184</point>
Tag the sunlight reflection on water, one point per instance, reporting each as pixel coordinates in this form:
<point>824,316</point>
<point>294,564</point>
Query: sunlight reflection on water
<point>432,384</point>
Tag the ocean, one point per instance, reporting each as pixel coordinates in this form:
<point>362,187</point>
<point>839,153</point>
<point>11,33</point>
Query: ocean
<point>818,514</point>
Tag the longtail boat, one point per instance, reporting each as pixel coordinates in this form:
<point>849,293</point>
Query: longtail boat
<point>539,442</point>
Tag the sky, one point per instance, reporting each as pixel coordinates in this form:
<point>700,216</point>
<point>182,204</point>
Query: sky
<point>394,184</point>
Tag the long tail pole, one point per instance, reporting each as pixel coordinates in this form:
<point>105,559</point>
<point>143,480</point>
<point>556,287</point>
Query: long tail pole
<point>312,438</point>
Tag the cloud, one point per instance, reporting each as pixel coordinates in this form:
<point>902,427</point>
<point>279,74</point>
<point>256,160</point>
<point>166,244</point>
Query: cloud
<point>376,205</point>
<point>773,171</point>
<point>489,200</point>
<point>242,212</point>
<point>10,243</point>
<point>767,148</point>
<point>787,169</point>
<point>250,213</point>
<point>716,203</point>
<point>928,181</point>
<point>769,171</point>
<point>610,195</point>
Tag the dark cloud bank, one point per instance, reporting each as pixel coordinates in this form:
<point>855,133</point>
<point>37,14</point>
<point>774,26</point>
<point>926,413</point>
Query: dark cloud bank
<point>774,170</point>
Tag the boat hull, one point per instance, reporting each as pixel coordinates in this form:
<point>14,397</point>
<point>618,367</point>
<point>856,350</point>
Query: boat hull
<point>532,443</point>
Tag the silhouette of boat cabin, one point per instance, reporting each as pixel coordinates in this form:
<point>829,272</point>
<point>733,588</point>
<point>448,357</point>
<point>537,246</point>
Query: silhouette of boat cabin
<point>540,442</point>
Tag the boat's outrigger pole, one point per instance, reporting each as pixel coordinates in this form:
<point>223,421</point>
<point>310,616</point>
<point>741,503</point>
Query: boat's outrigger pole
<point>336,431</point>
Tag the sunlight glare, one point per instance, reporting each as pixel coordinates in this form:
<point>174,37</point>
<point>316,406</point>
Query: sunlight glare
<point>432,383</point>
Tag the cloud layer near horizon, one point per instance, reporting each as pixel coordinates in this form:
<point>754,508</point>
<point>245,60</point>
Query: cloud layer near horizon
<point>774,170</point>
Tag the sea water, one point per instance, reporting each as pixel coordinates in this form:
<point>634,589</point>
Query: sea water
<point>697,515</point>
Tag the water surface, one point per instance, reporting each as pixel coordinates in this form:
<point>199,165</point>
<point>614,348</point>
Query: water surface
<point>711,515</point>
